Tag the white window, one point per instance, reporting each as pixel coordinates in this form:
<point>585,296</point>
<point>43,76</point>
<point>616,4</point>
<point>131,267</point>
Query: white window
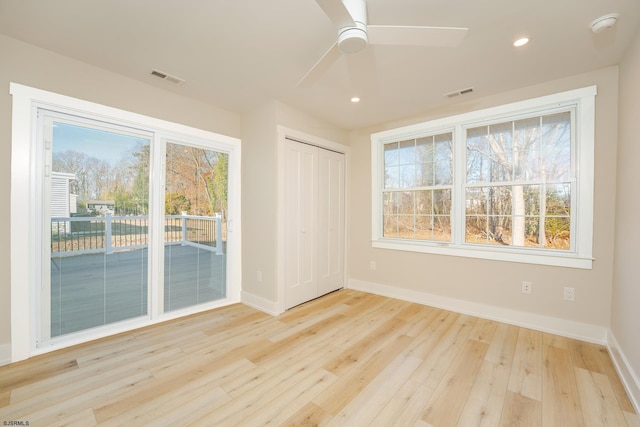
<point>511,183</point>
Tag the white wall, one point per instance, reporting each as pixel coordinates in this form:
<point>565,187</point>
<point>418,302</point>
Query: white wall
<point>625,308</point>
<point>259,192</point>
<point>28,65</point>
<point>493,288</point>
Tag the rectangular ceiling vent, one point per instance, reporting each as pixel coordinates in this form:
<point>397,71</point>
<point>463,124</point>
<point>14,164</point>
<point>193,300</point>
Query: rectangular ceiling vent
<point>168,77</point>
<point>459,92</point>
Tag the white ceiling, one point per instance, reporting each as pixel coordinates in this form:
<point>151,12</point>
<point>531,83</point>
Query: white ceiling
<point>239,54</point>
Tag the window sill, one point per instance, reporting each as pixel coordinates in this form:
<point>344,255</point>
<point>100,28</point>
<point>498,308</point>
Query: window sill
<point>527,256</point>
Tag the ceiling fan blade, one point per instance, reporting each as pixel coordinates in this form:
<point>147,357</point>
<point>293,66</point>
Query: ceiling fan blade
<point>337,12</point>
<point>415,35</point>
<point>321,66</point>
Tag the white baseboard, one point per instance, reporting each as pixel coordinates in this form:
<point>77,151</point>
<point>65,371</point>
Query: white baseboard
<point>260,303</point>
<point>629,377</point>
<point>5,354</point>
<point>567,328</point>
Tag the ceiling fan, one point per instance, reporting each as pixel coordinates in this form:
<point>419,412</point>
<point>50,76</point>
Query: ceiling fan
<point>350,17</point>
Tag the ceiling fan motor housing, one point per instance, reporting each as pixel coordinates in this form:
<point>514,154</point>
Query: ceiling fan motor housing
<point>354,39</point>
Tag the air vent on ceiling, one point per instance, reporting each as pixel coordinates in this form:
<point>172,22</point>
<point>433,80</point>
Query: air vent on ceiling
<point>168,77</point>
<point>459,92</point>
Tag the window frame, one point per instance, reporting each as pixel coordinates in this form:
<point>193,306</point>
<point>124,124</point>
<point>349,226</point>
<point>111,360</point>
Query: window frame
<point>583,147</point>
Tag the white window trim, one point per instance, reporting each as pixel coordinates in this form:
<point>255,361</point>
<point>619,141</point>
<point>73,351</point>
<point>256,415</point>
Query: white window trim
<point>580,257</point>
<point>25,216</point>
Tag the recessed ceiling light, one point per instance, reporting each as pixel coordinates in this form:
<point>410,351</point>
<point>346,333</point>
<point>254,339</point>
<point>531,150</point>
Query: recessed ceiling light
<point>521,41</point>
<point>355,99</point>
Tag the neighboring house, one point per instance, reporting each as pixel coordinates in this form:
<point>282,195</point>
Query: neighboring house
<point>101,206</point>
<point>63,203</point>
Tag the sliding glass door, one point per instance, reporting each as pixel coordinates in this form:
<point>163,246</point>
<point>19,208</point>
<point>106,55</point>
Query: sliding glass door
<point>96,204</point>
<point>195,225</point>
<point>134,226</point>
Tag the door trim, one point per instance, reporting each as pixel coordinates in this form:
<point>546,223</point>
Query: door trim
<point>285,133</point>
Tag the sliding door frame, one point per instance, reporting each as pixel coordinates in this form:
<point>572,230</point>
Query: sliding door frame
<point>26,211</point>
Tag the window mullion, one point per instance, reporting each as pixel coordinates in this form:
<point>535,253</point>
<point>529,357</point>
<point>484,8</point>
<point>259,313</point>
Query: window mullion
<point>459,185</point>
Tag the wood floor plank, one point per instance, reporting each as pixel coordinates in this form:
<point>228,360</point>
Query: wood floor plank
<point>310,415</point>
<point>312,332</point>
<point>169,403</point>
<point>421,321</point>
<point>449,397</point>
<point>483,330</point>
<point>250,400</point>
<point>426,341</point>
<point>561,401</point>
<point>585,355</point>
<point>526,372</point>
<point>5,398</point>
<point>304,322</point>
<point>352,382</point>
<point>442,355</point>
<point>520,411</point>
<point>349,358</point>
<point>39,368</point>
<point>486,399</point>
<point>632,419</point>
<point>373,341</point>
<point>176,379</point>
<point>70,384</point>
<point>366,319</point>
<point>502,346</point>
<point>618,388</point>
<point>405,407</point>
<point>598,399</point>
<point>83,418</point>
<point>191,410</point>
<point>364,407</point>
<point>306,358</point>
<point>275,408</point>
<point>53,413</point>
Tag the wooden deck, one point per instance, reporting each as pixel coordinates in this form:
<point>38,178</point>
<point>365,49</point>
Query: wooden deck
<point>346,359</point>
<point>97,289</point>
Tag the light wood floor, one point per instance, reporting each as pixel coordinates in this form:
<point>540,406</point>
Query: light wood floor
<point>347,359</point>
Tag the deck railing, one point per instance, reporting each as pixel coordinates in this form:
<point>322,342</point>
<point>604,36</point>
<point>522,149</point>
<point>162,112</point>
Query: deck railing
<point>109,234</point>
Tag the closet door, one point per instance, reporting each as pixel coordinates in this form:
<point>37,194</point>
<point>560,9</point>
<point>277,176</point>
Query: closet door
<point>331,189</point>
<point>301,210</point>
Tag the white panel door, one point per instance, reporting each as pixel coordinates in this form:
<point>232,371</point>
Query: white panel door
<point>331,189</point>
<point>301,210</point>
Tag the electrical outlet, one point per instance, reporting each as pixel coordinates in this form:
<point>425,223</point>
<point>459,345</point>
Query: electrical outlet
<point>372,265</point>
<point>527,287</point>
<point>259,276</point>
<point>569,294</point>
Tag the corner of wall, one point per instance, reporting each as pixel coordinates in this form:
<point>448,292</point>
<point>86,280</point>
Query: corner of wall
<point>5,354</point>
<point>628,376</point>
<point>260,303</point>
